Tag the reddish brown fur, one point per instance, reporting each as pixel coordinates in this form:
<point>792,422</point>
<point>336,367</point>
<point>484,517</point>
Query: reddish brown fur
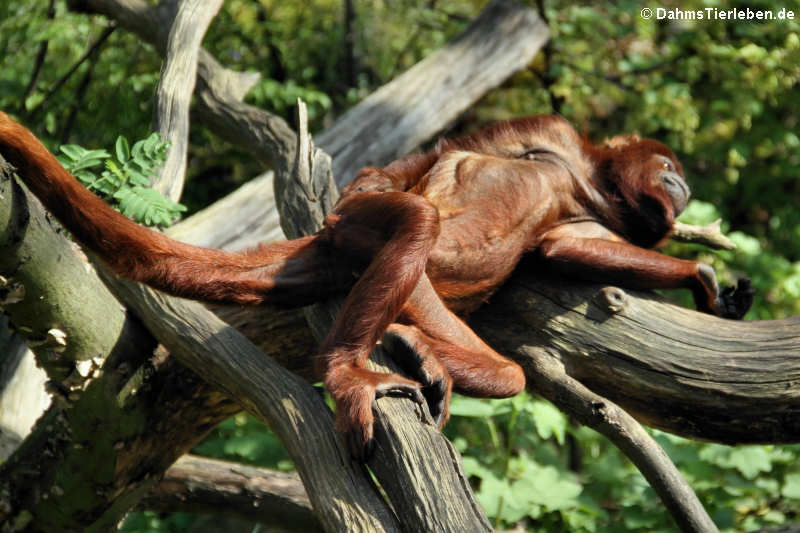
<point>431,235</point>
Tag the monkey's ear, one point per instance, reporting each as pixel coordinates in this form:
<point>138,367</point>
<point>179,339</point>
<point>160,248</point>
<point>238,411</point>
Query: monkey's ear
<point>620,141</point>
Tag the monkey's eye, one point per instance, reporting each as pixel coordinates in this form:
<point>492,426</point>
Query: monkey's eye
<point>532,155</point>
<point>667,165</point>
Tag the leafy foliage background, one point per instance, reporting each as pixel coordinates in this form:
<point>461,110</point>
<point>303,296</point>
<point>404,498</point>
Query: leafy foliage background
<point>723,94</point>
<point>126,180</point>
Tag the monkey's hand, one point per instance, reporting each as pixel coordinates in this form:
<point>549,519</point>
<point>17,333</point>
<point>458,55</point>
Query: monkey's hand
<point>368,179</point>
<point>735,301</point>
<point>730,302</point>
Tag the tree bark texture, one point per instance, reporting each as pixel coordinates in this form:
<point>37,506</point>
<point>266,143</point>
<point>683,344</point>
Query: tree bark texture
<point>175,88</point>
<point>672,368</point>
<point>201,485</point>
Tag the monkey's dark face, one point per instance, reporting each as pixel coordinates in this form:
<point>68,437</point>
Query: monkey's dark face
<point>649,173</point>
<point>647,181</point>
<point>667,174</point>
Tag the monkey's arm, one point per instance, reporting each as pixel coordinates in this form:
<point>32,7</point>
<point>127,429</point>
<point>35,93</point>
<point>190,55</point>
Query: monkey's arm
<point>398,176</point>
<point>603,257</point>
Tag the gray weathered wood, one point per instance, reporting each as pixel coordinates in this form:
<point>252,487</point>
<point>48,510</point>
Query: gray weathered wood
<point>513,35</point>
<point>299,416</point>
<point>95,383</point>
<point>22,390</point>
<point>243,219</point>
<point>400,116</point>
<point>306,193</point>
<point>708,235</point>
<point>672,368</point>
<point>202,485</point>
<point>426,98</point>
<point>175,88</point>
<point>548,377</point>
<point>218,92</point>
<point>230,85</point>
<point>97,319</point>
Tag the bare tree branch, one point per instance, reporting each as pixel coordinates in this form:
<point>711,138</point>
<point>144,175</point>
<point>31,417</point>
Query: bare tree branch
<point>102,375</point>
<point>340,491</point>
<point>136,473</point>
<point>688,373</point>
<point>709,235</point>
<point>271,134</point>
<point>503,40</point>
<point>200,485</point>
<point>90,52</point>
<point>546,376</point>
<point>41,54</point>
<point>176,86</point>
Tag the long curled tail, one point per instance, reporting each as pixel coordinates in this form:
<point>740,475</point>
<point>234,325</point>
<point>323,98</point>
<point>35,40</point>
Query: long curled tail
<point>282,273</point>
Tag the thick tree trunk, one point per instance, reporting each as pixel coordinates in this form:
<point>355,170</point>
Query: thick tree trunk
<point>672,368</point>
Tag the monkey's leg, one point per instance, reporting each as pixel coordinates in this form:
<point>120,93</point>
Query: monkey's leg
<point>411,349</point>
<point>393,232</point>
<point>433,337</point>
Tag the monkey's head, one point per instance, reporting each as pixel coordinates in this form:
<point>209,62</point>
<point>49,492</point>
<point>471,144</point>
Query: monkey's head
<point>647,182</point>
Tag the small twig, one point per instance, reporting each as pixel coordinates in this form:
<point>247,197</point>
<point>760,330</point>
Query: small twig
<point>709,235</point>
<point>60,83</point>
<point>41,54</point>
<point>80,94</point>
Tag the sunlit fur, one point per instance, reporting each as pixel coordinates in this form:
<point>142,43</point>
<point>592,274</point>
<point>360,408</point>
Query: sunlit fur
<point>416,245</point>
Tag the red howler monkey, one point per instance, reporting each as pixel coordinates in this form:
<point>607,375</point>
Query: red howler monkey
<point>432,236</point>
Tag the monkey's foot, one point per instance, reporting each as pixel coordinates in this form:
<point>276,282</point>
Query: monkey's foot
<point>354,389</point>
<point>407,348</point>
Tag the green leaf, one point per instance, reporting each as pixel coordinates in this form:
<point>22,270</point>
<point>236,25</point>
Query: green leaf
<point>548,487</point>
<point>147,206</point>
<point>748,460</point>
<point>87,178</point>
<point>245,446</point>
<point>494,494</point>
<point>112,167</point>
<point>472,467</point>
<point>99,154</point>
<point>123,150</point>
<point>137,178</point>
<point>108,183</point>
<point>84,163</point>
<point>548,419</point>
<point>73,151</point>
<point>791,486</point>
<point>475,407</point>
<point>150,143</point>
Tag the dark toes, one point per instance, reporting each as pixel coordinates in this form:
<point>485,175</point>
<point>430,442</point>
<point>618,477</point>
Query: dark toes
<point>403,353</point>
<point>436,398</point>
<point>400,389</point>
<point>735,301</point>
